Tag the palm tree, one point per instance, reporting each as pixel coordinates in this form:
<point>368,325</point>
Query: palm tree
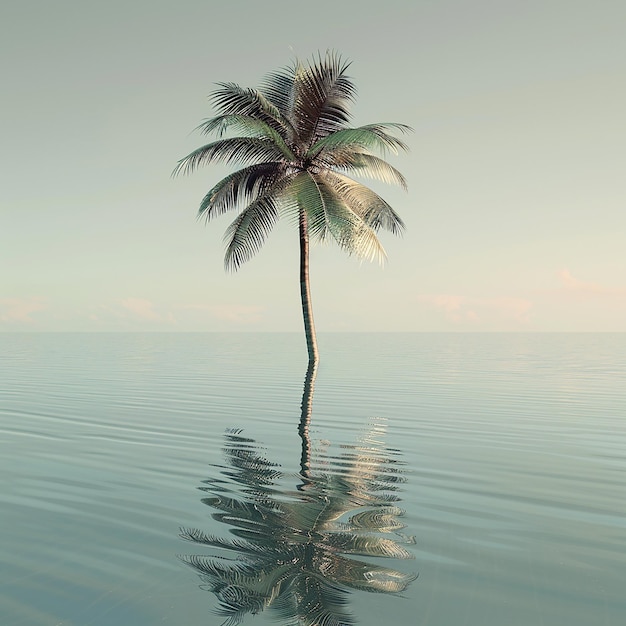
<point>296,149</point>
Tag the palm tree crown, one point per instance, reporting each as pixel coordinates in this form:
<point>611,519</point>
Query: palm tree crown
<point>297,151</point>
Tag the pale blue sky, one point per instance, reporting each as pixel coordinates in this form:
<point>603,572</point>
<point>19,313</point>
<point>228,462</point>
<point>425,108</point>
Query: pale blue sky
<point>516,205</point>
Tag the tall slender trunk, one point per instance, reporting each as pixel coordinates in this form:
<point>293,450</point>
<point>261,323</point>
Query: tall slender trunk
<point>305,290</point>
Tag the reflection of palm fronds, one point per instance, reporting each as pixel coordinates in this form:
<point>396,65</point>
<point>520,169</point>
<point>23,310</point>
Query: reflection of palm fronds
<point>294,551</point>
<point>250,467</point>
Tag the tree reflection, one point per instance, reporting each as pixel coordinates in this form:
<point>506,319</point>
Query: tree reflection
<point>294,548</point>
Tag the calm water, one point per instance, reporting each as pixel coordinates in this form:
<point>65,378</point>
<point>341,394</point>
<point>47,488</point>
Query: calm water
<point>443,480</point>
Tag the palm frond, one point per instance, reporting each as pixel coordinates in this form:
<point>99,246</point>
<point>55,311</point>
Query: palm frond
<point>329,214</point>
<point>304,194</point>
<point>323,94</point>
<point>249,126</point>
<point>354,159</point>
<point>374,211</point>
<point>243,150</point>
<point>242,186</point>
<point>246,235</point>
<point>231,99</point>
<point>278,88</point>
<point>370,137</point>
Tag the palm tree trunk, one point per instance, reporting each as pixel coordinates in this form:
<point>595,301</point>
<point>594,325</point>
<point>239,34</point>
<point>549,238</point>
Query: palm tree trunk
<point>305,290</point>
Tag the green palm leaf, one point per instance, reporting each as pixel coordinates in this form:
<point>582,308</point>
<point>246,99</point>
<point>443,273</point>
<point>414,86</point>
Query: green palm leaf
<point>372,209</point>
<point>242,186</point>
<point>370,137</point>
<point>349,159</point>
<point>241,150</point>
<point>246,235</point>
<point>231,99</point>
<point>279,87</point>
<point>329,213</point>
<point>249,126</point>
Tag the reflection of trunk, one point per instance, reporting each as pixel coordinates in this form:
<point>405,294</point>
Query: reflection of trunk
<point>305,290</point>
<point>305,418</point>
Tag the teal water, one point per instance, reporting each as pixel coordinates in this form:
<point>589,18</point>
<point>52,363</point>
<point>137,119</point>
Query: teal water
<point>442,479</point>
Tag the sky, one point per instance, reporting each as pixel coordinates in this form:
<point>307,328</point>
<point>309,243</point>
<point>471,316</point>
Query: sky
<point>515,210</point>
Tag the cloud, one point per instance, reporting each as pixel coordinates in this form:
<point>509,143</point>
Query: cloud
<point>582,288</point>
<point>130,309</point>
<point>237,313</point>
<point>450,305</point>
<point>141,308</point>
<point>133,310</point>
<point>18,310</point>
<point>474,310</point>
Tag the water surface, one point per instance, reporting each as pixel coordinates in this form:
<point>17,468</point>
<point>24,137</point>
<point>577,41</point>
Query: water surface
<point>495,461</point>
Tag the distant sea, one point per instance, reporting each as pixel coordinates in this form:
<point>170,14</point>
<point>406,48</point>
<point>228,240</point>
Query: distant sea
<point>437,479</point>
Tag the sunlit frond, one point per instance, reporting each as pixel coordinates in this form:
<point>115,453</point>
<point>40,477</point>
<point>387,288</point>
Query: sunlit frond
<point>369,205</point>
<point>246,235</point>
<point>370,136</point>
<point>323,215</point>
<point>242,150</point>
<point>362,164</point>
<point>329,214</point>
